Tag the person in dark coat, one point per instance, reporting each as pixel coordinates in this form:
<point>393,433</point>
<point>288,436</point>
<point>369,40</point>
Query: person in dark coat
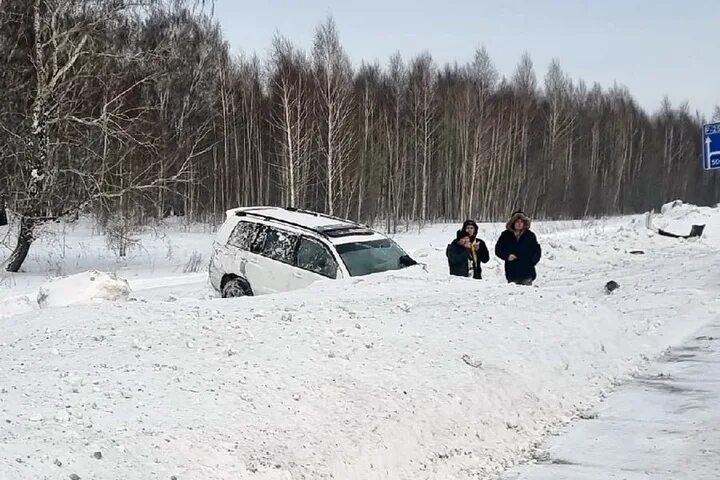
<point>458,255</point>
<point>519,249</point>
<point>478,251</point>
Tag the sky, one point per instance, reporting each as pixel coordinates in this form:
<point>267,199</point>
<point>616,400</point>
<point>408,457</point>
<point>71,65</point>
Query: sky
<point>655,48</point>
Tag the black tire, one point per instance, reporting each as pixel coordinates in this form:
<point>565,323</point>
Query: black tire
<point>235,287</point>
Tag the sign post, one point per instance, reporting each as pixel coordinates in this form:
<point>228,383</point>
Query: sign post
<point>711,146</point>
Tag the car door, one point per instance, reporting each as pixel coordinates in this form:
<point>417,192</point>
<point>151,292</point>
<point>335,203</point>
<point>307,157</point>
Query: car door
<point>313,262</point>
<point>269,267</point>
<point>233,256</point>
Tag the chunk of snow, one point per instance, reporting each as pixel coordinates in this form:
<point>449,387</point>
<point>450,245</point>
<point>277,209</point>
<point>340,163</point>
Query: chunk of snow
<point>83,288</point>
<point>670,205</point>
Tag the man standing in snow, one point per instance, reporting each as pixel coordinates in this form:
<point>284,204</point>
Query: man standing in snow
<point>519,249</point>
<point>458,255</point>
<point>478,252</point>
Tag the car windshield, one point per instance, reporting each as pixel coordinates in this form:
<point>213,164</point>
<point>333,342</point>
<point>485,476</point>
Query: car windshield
<point>364,258</point>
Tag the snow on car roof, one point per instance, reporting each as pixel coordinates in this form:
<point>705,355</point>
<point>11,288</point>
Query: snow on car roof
<point>305,218</point>
<point>314,221</point>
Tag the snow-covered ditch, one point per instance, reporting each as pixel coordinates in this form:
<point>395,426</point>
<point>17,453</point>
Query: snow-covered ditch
<point>408,375</point>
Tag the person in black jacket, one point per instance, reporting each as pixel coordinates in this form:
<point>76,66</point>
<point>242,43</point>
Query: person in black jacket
<point>519,249</point>
<point>478,251</point>
<point>458,255</point>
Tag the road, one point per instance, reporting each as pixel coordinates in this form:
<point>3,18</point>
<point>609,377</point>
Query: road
<point>664,425</point>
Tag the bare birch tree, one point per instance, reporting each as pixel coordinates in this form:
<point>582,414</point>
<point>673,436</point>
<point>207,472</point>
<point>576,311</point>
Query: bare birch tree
<point>336,137</point>
<point>290,90</point>
<point>64,163</point>
<point>422,88</point>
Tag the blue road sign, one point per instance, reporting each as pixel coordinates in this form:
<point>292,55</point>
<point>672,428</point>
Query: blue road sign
<point>711,146</point>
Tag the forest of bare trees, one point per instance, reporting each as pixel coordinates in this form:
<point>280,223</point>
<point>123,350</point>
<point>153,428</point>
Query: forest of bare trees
<point>136,109</point>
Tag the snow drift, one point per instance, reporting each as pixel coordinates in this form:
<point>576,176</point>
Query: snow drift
<point>678,217</point>
<point>82,288</point>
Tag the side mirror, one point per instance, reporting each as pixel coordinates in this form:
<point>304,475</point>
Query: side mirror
<point>407,261</point>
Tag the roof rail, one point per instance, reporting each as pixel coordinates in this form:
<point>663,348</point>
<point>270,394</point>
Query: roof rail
<point>325,215</point>
<point>330,231</point>
<point>280,220</point>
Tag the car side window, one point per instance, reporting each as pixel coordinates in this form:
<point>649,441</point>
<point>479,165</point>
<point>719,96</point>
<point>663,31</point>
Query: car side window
<point>258,243</point>
<point>315,257</point>
<point>279,245</point>
<point>243,235</point>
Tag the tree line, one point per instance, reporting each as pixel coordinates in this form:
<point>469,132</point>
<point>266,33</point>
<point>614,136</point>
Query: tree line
<point>136,109</point>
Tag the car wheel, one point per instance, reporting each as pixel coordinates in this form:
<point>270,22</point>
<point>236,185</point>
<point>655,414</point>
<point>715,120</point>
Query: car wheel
<point>234,287</point>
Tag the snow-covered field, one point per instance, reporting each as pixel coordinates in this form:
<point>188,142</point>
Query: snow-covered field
<point>407,375</point>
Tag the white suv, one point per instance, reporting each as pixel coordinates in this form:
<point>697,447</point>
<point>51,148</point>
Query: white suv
<point>261,250</point>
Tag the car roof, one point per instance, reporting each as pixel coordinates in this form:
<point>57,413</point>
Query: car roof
<point>300,217</point>
<point>320,224</point>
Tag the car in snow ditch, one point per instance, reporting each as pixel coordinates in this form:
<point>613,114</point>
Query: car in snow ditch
<point>261,250</point>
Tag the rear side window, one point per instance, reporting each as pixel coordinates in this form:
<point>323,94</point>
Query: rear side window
<point>314,257</point>
<point>243,235</point>
<point>279,245</point>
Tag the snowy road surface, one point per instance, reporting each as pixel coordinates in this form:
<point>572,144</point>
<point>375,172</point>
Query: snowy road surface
<point>408,375</point>
<point>663,425</point>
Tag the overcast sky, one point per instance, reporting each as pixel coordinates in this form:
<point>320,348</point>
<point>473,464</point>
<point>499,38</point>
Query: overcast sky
<point>653,47</point>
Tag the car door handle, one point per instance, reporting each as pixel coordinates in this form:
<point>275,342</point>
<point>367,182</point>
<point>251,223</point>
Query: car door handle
<point>297,275</point>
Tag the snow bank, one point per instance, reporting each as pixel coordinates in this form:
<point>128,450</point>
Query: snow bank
<point>678,217</point>
<point>83,288</point>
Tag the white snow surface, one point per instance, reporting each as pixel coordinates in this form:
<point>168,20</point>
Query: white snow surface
<point>404,375</point>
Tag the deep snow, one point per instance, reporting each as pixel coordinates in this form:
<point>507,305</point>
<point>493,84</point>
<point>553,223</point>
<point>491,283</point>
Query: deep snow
<point>404,375</point>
